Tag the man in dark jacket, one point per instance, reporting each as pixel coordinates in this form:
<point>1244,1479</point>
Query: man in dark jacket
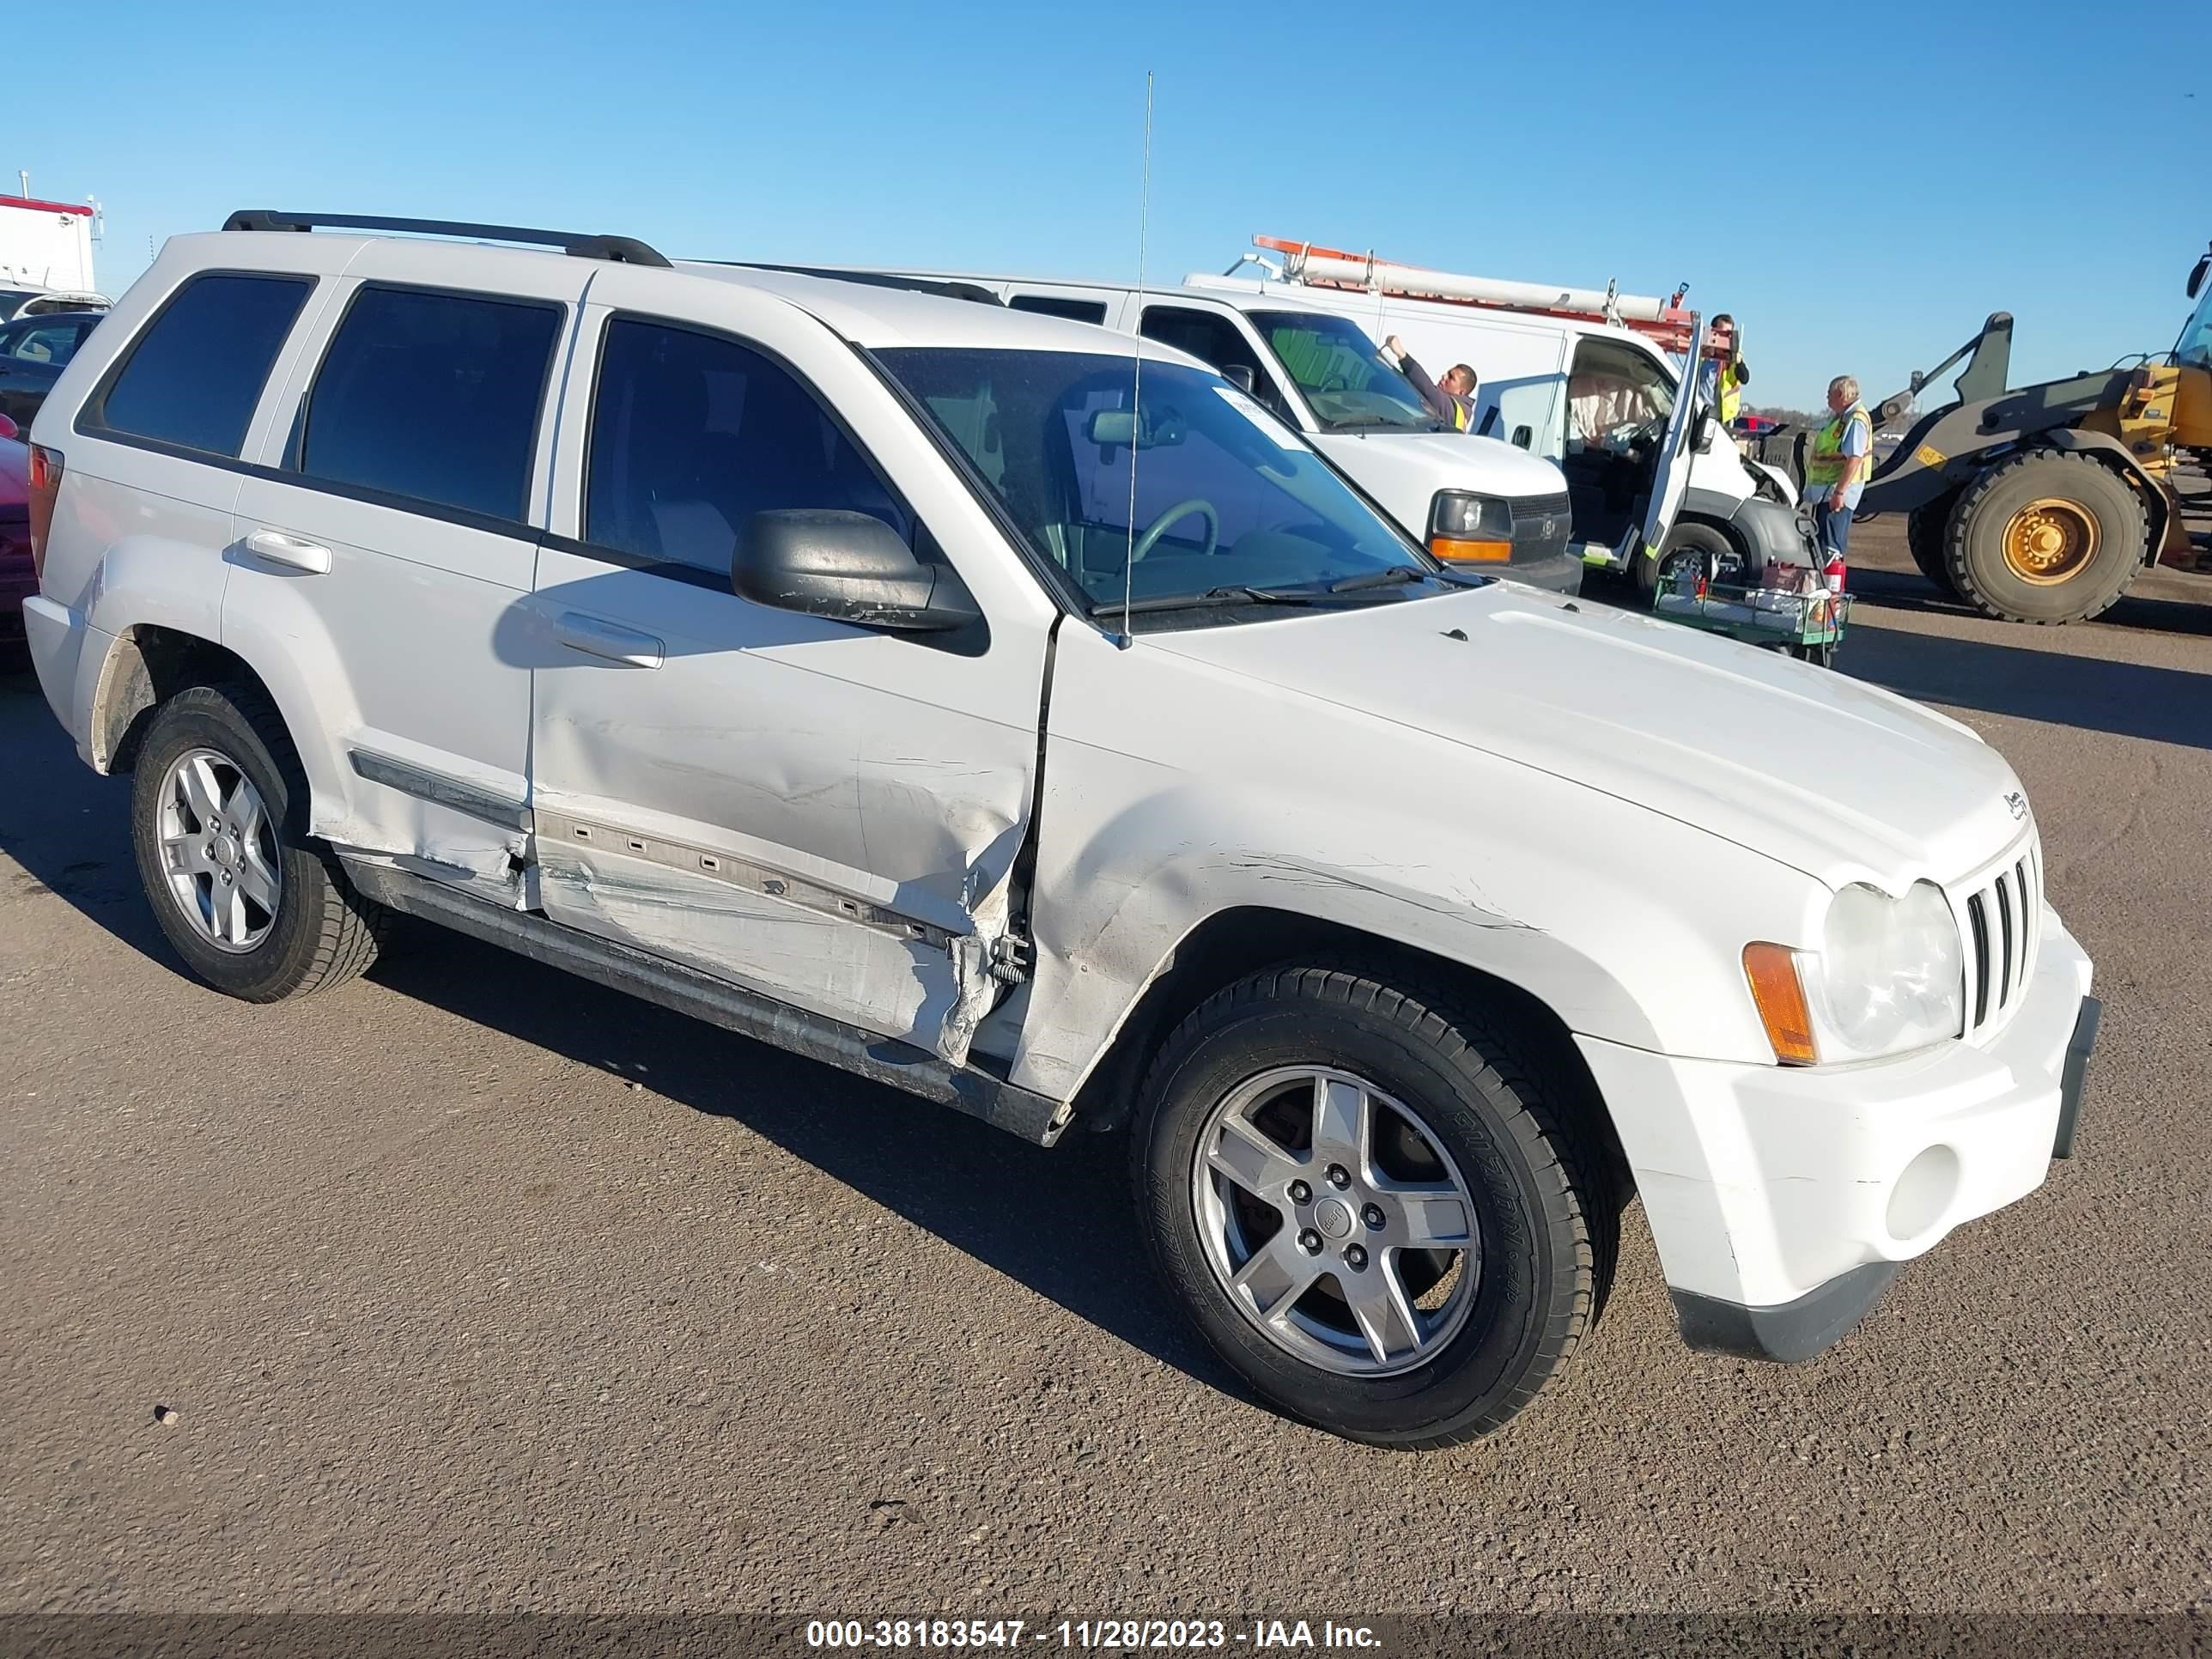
<point>1453,402</point>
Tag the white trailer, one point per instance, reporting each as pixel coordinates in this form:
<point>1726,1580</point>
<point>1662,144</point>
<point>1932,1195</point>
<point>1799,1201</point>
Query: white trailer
<point>45,246</point>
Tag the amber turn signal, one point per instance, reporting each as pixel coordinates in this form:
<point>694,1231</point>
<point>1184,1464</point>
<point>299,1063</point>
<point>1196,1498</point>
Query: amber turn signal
<point>1454,552</point>
<point>1775,988</point>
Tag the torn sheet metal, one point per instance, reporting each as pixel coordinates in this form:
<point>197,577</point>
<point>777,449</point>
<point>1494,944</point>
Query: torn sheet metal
<point>822,963</point>
<point>426,839</point>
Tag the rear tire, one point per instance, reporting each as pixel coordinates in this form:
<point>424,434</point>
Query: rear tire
<point>1925,528</point>
<point>218,807</point>
<point>2047,536</point>
<point>1485,1125</point>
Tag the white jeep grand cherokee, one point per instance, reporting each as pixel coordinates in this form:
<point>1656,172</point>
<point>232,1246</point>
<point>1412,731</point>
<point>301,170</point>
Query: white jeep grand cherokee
<point>757,644</point>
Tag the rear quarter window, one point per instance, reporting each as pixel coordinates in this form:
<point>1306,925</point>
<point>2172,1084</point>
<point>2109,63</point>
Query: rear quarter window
<point>192,377</point>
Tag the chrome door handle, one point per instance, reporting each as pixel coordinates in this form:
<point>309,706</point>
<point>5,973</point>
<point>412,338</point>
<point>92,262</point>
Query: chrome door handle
<point>608,641</point>
<point>277,548</point>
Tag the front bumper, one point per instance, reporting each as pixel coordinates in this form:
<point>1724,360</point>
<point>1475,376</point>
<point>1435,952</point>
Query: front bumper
<point>1557,573</point>
<point>1782,1200</point>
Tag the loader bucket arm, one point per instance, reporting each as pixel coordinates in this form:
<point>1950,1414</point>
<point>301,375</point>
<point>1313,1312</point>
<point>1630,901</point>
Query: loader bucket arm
<point>1989,361</point>
<point>1952,439</point>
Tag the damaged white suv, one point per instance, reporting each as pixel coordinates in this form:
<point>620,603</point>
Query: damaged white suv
<point>928,687</point>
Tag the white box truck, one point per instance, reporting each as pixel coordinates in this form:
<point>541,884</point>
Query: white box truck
<point>1585,378</point>
<point>46,252</point>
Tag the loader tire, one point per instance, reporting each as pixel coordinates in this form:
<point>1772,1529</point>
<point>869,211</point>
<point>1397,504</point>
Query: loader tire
<point>1924,529</point>
<point>2047,537</point>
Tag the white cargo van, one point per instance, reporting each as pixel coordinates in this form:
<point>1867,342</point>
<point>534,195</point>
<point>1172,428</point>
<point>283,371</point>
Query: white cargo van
<point>1468,500</point>
<point>1586,378</point>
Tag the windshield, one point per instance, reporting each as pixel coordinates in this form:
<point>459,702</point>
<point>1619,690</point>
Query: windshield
<point>2195,348</point>
<point>1225,495</point>
<point>1347,383</point>
<point>12,298</point>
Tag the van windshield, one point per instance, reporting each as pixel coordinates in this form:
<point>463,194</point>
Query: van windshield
<point>1225,497</point>
<point>1347,383</point>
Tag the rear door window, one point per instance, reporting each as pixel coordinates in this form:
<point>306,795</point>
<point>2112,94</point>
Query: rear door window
<point>193,377</point>
<point>692,434</point>
<point>431,396</point>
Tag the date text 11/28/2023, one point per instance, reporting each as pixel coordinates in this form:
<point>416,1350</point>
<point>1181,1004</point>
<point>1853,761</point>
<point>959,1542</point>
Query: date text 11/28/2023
<point>1267,1634</point>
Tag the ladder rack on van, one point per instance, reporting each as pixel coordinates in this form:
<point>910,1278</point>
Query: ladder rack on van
<point>1665,321</point>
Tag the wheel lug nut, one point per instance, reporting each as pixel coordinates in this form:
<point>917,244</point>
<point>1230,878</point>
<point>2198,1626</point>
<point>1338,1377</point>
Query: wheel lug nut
<point>1338,1176</point>
<point>1372,1215</point>
<point>1310,1242</point>
<point>1355,1258</point>
<point>226,877</point>
<point>1300,1193</point>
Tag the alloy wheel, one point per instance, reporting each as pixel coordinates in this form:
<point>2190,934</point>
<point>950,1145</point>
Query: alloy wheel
<point>218,849</point>
<point>1335,1221</point>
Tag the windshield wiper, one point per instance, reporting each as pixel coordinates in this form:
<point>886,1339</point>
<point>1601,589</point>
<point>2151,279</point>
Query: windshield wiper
<point>1383,425</point>
<point>1212,598</point>
<point>1397,574</point>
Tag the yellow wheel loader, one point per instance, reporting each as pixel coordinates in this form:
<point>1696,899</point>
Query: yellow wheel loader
<point>2042,503</point>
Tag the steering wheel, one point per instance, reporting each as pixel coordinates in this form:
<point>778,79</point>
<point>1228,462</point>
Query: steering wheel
<point>1159,528</point>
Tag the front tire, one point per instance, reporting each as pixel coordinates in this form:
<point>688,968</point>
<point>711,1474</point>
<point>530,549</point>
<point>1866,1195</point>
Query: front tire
<point>1369,1204</point>
<point>2047,536</point>
<point>1925,529</point>
<point>218,813</point>
<point>1699,543</point>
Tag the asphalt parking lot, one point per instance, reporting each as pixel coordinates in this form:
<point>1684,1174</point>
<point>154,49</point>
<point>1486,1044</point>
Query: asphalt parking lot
<point>473,1287</point>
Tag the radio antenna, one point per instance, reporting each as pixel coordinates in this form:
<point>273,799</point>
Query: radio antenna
<point>1129,636</point>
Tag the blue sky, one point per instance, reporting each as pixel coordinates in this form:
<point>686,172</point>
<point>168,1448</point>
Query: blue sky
<point>1860,187</point>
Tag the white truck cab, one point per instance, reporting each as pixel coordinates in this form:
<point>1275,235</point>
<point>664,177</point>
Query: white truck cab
<point>1470,500</point>
<point>930,689</point>
<point>1590,381</point>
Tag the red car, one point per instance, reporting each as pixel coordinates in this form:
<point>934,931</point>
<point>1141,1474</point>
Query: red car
<point>18,580</point>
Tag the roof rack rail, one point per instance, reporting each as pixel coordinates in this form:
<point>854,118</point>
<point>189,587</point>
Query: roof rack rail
<point>621,250</point>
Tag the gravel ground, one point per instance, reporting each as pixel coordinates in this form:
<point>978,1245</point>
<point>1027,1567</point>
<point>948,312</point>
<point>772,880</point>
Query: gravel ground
<point>472,1287</point>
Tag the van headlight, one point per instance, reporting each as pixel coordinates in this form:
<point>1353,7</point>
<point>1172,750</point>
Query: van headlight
<point>1470,529</point>
<point>1889,977</point>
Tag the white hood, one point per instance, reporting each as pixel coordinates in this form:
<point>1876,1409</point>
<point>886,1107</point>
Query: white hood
<point>1840,780</point>
<point>1403,470</point>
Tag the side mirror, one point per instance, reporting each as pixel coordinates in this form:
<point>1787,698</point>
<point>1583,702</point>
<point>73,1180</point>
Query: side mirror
<point>1240,376</point>
<point>1708,426</point>
<point>2196,277</point>
<point>850,567</point>
<point>8,429</point>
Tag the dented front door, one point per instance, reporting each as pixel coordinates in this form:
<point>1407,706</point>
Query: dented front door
<point>824,813</point>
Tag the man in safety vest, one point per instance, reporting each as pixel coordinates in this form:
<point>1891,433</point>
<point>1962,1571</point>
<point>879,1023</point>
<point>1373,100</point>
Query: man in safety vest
<point>1724,382</point>
<point>1836,471</point>
<point>1453,402</point>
